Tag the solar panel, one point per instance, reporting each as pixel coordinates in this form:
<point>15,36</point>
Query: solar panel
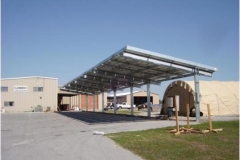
<point>133,66</point>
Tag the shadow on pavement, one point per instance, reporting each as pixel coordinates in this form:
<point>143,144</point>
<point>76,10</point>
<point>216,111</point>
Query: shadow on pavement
<point>99,118</point>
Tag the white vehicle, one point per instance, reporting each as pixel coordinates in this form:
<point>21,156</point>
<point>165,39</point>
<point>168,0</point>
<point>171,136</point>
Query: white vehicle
<point>124,105</point>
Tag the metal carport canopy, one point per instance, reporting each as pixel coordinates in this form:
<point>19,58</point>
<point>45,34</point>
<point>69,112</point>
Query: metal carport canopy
<point>134,67</point>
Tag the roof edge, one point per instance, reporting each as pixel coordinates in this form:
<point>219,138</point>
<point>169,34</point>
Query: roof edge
<point>170,58</point>
<point>29,78</point>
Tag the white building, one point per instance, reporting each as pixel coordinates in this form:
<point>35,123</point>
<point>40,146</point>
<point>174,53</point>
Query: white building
<point>25,93</point>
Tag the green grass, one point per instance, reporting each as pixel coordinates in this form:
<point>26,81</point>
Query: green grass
<point>124,111</point>
<point>159,144</point>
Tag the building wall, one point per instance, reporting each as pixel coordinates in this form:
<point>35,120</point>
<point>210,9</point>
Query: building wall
<point>100,101</point>
<point>143,94</point>
<point>65,100</point>
<point>119,99</point>
<point>87,102</point>
<point>74,101</point>
<point>80,101</point>
<point>27,100</point>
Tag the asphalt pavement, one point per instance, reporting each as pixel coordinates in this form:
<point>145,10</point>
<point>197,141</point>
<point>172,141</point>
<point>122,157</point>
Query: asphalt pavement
<point>51,136</point>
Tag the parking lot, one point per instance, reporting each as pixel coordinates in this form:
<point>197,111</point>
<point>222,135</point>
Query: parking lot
<point>53,136</point>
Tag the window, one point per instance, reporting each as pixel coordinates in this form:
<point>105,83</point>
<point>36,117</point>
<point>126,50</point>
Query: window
<point>37,89</point>
<point>8,103</point>
<point>4,89</point>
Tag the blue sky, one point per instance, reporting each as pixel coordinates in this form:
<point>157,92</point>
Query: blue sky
<point>63,39</point>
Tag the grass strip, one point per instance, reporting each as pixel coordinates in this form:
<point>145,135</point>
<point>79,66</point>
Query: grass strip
<point>159,144</point>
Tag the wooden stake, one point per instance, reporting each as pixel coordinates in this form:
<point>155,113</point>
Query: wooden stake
<point>209,118</point>
<point>176,114</point>
<point>188,125</point>
<point>189,130</point>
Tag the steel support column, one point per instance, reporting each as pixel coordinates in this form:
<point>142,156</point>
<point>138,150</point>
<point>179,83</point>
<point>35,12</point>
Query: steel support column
<point>94,103</point>
<point>148,100</point>
<point>102,101</point>
<point>79,101</point>
<point>197,97</point>
<point>70,107</point>
<point>76,100</point>
<point>115,102</point>
<point>131,91</point>
<point>86,102</point>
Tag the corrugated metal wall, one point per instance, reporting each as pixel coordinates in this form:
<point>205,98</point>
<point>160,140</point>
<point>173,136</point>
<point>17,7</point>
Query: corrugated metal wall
<point>143,94</point>
<point>87,102</point>
<point>100,100</point>
<point>26,101</point>
<point>119,99</point>
<point>80,101</point>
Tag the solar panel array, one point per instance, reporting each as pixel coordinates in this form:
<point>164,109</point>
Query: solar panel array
<point>134,67</point>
